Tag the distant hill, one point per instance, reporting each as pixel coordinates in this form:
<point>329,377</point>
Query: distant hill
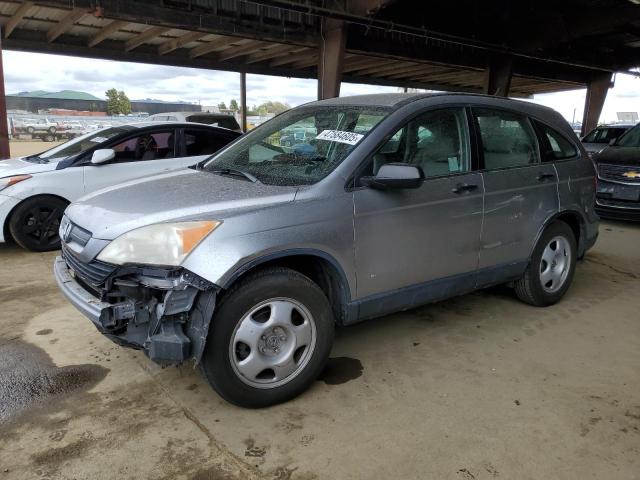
<point>62,95</point>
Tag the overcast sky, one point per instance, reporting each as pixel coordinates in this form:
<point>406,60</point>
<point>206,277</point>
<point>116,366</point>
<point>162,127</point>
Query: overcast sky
<point>31,71</point>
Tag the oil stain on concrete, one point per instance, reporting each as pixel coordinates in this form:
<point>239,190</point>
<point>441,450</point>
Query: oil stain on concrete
<point>28,378</point>
<point>340,370</point>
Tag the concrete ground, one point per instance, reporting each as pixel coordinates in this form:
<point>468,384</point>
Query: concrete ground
<point>478,387</point>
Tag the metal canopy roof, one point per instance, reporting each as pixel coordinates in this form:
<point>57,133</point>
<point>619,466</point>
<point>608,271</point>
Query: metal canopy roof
<point>554,45</point>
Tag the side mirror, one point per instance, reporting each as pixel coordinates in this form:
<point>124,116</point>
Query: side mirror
<point>394,176</point>
<point>102,156</point>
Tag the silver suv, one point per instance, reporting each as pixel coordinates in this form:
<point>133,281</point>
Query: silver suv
<point>246,263</point>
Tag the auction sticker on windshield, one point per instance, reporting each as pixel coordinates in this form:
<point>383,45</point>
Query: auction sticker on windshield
<point>350,138</point>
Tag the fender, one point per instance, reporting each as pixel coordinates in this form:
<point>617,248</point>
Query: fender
<point>245,267</point>
<point>5,225</point>
<point>550,220</point>
<point>347,311</point>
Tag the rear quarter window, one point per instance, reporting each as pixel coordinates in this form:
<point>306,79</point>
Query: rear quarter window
<point>555,145</point>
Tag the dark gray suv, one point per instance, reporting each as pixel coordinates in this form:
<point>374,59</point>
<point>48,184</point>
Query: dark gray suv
<point>245,263</point>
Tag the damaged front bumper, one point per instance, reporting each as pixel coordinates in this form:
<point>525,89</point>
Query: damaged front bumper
<point>164,312</point>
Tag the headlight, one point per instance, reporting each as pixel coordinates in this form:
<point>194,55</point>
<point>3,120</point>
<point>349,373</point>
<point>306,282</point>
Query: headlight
<point>8,181</point>
<point>160,244</point>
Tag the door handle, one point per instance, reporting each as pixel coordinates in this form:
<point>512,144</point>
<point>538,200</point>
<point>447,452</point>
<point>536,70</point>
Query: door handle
<point>464,187</point>
<point>545,176</point>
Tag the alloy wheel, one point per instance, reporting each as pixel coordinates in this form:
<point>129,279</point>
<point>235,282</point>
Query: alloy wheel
<point>42,224</point>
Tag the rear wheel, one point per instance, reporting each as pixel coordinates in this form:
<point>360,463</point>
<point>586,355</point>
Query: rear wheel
<point>35,222</point>
<point>551,269</point>
<point>269,339</point>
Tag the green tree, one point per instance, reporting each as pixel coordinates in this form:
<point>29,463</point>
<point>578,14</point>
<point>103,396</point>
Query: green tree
<point>113,105</point>
<point>233,105</point>
<point>276,107</point>
<point>262,110</point>
<point>117,102</point>
<point>222,106</point>
<point>124,102</point>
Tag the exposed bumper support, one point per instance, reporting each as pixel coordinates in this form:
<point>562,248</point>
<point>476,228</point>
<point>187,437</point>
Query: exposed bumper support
<point>170,327</point>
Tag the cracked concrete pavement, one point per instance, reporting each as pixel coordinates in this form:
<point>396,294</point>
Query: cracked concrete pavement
<point>477,387</point>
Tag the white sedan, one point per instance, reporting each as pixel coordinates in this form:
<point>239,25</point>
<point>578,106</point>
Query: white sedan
<point>35,190</point>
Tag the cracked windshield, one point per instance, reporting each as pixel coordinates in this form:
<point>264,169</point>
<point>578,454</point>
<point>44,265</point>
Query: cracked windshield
<point>299,147</point>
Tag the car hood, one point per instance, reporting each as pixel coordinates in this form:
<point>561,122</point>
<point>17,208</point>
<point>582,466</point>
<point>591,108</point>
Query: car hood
<point>19,166</point>
<point>178,196</point>
<point>619,156</point>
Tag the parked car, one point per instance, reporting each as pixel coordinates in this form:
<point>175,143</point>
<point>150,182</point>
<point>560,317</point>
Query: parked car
<point>73,129</point>
<point>597,139</point>
<point>216,119</point>
<point>35,190</point>
<point>618,165</point>
<point>32,126</point>
<point>245,264</point>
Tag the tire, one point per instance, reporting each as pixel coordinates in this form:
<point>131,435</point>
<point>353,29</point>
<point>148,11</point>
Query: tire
<point>52,130</point>
<point>30,130</point>
<point>34,223</point>
<point>552,266</point>
<point>280,314</point>
<point>49,138</point>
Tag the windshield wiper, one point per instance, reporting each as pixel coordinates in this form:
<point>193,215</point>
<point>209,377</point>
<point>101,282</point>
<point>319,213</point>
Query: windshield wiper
<point>234,173</point>
<point>35,158</point>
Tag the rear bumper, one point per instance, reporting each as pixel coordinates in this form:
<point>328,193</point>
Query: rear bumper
<point>170,325</point>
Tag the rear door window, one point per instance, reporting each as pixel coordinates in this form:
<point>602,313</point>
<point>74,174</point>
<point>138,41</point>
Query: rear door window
<point>507,139</point>
<point>203,142</point>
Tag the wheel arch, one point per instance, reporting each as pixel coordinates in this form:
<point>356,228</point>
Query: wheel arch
<point>5,228</point>
<point>321,267</point>
<point>575,221</point>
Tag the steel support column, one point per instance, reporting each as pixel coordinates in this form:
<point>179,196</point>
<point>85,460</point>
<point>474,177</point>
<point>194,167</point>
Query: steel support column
<point>243,101</point>
<point>497,77</point>
<point>597,89</point>
<point>4,124</point>
<point>330,63</point>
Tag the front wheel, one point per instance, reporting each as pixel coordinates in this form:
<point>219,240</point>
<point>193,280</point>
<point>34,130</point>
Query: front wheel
<point>551,269</point>
<point>35,222</point>
<point>269,339</point>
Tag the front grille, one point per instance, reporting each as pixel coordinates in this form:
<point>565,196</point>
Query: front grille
<point>94,273</point>
<point>70,232</point>
<point>79,235</point>
<point>617,173</point>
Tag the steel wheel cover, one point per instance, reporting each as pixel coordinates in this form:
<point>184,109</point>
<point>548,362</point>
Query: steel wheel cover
<point>555,264</point>
<point>272,343</point>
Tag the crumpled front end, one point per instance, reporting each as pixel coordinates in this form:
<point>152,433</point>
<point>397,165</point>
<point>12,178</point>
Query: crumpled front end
<point>163,311</point>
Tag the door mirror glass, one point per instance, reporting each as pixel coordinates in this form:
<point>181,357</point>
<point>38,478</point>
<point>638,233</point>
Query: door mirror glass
<point>394,176</point>
<point>102,156</point>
